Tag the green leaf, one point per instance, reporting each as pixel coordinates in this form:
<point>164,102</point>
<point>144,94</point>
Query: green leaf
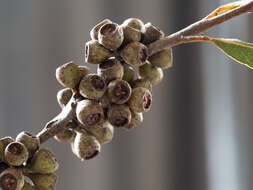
<point>242,52</point>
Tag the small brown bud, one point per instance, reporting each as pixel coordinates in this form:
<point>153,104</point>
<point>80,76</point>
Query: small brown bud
<point>43,162</point>
<point>65,136</point>
<point>110,69</point>
<point>110,36</point>
<point>119,91</point>
<point>134,54</point>
<point>141,100</point>
<point>145,83</point>
<point>89,113</point>
<point>68,75</point>
<point>134,23</point>
<point>152,73</point>
<point>95,29</point>
<point>3,144</point>
<point>92,86</point>
<point>86,146</point>
<point>16,154</point>
<point>119,115</point>
<point>131,34</point>
<point>11,179</point>
<point>63,96</point>
<point>162,59</point>
<point>95,53</point>
<point>44,181</point>
<point>136,120</point>
<point>104,133</point>
<point>84,70</point>
<point>32,143</point>
<point>151,34</point>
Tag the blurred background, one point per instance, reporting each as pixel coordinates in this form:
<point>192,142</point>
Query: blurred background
<point>198,134</point>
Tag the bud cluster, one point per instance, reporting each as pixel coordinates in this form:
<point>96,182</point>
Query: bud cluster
<point>23,157</point>
<point>119,92</point>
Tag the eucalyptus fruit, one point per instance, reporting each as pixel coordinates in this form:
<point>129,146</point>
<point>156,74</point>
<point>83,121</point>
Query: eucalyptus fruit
<point>11,179</point>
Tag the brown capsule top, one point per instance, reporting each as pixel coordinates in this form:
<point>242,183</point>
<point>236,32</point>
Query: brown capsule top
<point>11,179</point>
<point>111,36</point>
<point>92,86</point>
<point>119,91</point>
<point>131,34</point>
<point>63,96</point>
<point>134,23</point>
<point>134,54</point>
<point>119,115</point>
<point>95,29</point>
<point>86,146</point>
<point>89,113</point>
<point>162,59</point>
<point>110,69</point>
<point>32,143</point>
<point>141,100</point>
<point>151,34</point>
<point>95,53</point>
<point>145,83</point>
<point>16,154</point>
<point>152,73</point>
<point>136,119</point>
<point>68,75</point>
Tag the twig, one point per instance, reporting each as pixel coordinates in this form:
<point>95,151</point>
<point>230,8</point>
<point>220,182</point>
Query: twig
<point>197,28</point>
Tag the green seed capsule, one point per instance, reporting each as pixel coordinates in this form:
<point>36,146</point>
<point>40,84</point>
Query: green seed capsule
<point>44,181</point>
<point>119,115</point>
<point>142,83</point>
<point>151,34</point>
<point>151,73</point>
<point>110,69</point>
<point>136,119</point>
<point>86,146</point>
<point>92,86</point>
<point>162,59</point>
<point>32,143</point>
<point>89,113</point>
<point>141,100</point>
<point>129,73</point>
<point>104,133</point>
<point>84,70</point>
<point>95,29</point>
<point>68,75</point>
<point>134,23</point>
<point>134,54</point>
<point>43,162</point>
<point>110,36</point>
<point>28,186</point>
<point>11,179</point>
<point>131,34</point>
<point>95,53</point>
<point>65,136</point>
<point>119,91</point>
<point>3,144</point>
<point>63,96</point>
<point>16,154</point>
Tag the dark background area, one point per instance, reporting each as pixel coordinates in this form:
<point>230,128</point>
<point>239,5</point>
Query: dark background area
<point>198,134</point>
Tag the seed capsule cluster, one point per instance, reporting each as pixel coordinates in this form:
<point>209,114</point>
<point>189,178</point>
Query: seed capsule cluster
<point>117,95</point>
<point>23,157</point>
